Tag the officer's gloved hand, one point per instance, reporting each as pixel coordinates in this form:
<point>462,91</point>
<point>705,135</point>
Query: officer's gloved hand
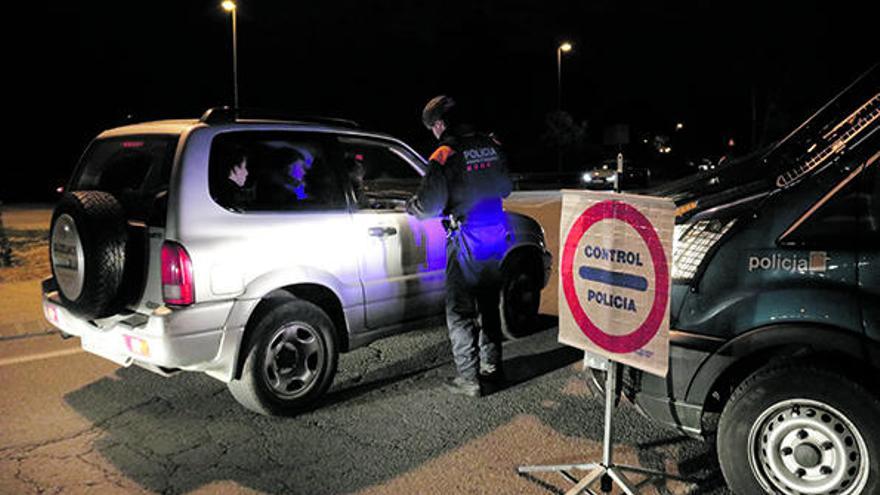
<point>412,206</point>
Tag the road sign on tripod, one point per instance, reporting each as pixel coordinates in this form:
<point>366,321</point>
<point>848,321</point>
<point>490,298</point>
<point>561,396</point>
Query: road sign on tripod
<point>615,255</point>
<point>614,287</point>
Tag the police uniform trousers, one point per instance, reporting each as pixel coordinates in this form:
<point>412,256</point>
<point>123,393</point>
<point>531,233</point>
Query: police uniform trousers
<point>473,283</point>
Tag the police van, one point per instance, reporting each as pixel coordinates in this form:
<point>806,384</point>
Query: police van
<point>775,308</point>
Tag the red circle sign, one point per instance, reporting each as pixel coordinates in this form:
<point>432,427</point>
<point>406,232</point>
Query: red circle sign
<point>616,210</point>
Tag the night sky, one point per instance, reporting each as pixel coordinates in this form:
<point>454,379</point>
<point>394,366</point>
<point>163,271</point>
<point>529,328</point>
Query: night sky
<point>647,64</point>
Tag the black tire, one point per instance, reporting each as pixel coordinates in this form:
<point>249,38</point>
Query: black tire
<point>521,284</point>
<point>287,323</point>
<point>87,249</point>
<point>828,419</point>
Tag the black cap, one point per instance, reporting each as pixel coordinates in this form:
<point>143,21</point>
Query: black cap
<point>436,109</point>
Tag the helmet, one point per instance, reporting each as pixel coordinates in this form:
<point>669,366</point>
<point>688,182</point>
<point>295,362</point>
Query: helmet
<point>436,109</point>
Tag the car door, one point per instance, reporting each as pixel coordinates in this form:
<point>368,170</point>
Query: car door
<point>835,239</point>
<point>869,254</point>
<point>287,214</point>
<point>402,259</point>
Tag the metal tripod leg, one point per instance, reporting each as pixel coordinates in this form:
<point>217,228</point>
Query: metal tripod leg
<point>561,469</point>
<point>622,481</point>
<point>585,482</point>
<point>553,468</point>
<point>651,473</point>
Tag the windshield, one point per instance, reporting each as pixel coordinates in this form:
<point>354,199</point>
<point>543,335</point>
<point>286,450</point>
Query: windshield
<point>837,128</point>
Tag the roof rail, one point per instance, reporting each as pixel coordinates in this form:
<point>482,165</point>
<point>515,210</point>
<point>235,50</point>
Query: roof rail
<point>227,115</point>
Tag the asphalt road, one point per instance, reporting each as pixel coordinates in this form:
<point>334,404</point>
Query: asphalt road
<point>74,423</point>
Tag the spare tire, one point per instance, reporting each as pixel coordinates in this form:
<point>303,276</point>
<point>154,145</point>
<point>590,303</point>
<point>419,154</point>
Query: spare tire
<point>87,252</point>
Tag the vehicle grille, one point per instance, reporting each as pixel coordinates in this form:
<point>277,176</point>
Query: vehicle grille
<point>691,244</point>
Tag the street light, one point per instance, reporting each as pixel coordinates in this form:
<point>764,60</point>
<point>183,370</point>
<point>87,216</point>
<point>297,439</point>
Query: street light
<point>232,8</point>
<point>563,47</point>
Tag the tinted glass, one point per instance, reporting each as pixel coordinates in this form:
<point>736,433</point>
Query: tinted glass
<point>274,171</point>
<point>133,164</point>
<point>135,169</point>
<point>847,220</point>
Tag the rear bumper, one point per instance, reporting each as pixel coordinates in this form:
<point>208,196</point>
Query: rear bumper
<point>188,338</point>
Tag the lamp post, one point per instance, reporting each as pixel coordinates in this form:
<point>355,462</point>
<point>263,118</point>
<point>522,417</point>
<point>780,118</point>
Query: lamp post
<point>232,8</point>
<point>563,47</point>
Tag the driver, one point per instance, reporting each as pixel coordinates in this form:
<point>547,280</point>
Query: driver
<point>356,173</point>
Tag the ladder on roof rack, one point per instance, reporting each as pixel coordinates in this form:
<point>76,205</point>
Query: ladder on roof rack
<point>839,136</point>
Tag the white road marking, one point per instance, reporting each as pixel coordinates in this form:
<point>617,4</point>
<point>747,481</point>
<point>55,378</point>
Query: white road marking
<point>39,357</point>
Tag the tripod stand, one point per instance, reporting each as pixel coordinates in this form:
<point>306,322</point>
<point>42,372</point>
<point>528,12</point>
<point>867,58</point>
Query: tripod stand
<point>606,471</point>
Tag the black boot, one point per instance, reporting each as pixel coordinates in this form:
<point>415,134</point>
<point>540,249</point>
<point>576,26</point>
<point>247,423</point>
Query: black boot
<point>463,386</point>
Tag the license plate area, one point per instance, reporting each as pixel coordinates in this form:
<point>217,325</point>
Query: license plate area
<point>106,346</point>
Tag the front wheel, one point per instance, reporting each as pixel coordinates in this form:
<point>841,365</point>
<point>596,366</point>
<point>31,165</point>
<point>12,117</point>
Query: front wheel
<point>291,360</point>
<point>800,430</point>
<point>521,285</point>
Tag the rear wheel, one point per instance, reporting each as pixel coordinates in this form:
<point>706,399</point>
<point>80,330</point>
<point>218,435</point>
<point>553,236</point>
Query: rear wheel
<point>520,296</point>
<point>291,359</point>
<point>800,430</point>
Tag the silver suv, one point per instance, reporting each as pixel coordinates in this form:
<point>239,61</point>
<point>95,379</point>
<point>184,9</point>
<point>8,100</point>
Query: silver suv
<point>256,251</point>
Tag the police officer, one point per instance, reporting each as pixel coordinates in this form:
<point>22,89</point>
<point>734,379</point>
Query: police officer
<point>465,183</point>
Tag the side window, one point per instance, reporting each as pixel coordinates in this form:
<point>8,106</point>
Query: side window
<point>274,171</point>
<point>380,175</point>
<point>846,220</point>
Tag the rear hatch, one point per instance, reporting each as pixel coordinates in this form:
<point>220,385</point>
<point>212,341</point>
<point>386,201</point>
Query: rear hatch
<point>136,170</point>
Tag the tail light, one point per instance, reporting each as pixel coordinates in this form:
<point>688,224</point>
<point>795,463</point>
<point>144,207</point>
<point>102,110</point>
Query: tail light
<point>177,275</point>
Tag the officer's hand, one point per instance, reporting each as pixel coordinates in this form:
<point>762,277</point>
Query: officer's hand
<point>411,206</point>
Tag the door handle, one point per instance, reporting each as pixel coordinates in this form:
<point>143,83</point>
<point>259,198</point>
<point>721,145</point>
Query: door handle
<point>381,231</point>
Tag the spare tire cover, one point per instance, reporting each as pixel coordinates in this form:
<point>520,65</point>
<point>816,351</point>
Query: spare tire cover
<point>87,252</point>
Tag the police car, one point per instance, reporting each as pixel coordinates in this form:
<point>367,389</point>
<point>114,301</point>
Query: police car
<point>775,308</point>
<point>605,176</point>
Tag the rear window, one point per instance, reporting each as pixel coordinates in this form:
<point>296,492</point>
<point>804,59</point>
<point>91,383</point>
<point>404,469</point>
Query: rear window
<point>131,165</point>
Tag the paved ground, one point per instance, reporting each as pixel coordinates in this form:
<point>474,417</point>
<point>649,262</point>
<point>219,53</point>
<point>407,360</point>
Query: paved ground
<point>26,227</point>
<point>74,423</point>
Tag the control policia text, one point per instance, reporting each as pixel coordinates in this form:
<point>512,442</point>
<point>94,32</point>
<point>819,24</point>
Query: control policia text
<point>613,278</point>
